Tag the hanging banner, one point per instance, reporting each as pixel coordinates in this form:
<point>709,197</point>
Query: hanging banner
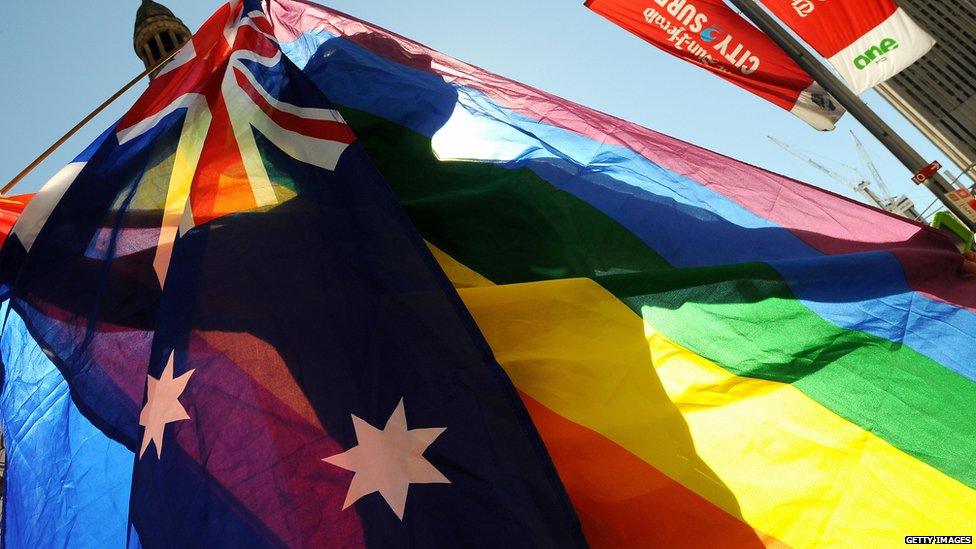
<point>964,200</point>
<point>867,41</point>
<point>709,34</point>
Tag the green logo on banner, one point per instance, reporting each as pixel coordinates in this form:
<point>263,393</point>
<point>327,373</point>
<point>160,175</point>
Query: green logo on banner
<point>875,53</point>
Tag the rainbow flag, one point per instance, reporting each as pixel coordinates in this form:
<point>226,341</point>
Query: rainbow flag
<point>324,286</point>
<point>713,354</point>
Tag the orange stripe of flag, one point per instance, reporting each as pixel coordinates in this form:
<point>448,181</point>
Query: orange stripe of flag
<point>622,501</point>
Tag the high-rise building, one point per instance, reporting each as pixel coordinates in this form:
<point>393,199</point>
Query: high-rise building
<point>938,93</point>
<point>157,33</point>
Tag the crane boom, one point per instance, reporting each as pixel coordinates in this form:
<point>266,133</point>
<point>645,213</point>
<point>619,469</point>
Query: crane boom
<point>866,159</point>
<point>809,160</point>
<point>862,187</point>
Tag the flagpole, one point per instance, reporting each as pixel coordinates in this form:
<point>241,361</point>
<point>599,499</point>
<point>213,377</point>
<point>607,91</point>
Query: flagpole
<point>43,156</point>
<point>904,152</point>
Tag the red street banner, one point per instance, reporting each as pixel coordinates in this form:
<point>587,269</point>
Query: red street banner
<point>867,41</point>
<point>709,34</point>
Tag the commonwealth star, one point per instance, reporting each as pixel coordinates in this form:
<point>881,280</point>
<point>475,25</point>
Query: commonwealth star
<point>388,461</point>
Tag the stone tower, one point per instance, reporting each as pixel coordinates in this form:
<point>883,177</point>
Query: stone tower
<point>157,33</point>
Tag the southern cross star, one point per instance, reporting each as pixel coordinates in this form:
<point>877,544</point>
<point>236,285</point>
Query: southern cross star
<point>162,406</point>
<point>388,461</point>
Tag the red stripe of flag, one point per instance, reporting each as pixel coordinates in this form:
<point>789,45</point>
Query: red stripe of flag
<point>322,129</point>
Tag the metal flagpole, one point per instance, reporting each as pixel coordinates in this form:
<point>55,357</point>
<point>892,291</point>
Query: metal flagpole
<point>904,152</point>
<point>43,156</point>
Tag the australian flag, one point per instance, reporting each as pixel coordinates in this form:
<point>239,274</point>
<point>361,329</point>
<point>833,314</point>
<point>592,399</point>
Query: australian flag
<point>221,330</point>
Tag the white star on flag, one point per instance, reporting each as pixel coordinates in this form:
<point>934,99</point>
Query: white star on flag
<point>388,461</point>
<point>162,406</point>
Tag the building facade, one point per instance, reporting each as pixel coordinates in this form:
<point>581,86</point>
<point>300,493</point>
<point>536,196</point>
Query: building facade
<point>938,93</point>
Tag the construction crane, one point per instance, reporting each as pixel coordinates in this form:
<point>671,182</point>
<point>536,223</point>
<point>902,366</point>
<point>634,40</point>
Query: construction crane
<point>901,205</point>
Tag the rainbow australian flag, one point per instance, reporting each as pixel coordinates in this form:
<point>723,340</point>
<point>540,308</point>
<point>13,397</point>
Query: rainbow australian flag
<point>324,286</point>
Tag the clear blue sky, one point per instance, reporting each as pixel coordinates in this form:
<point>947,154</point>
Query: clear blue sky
<point>61,58</point>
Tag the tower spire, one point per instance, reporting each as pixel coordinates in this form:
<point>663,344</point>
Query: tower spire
<point>157,33</point>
